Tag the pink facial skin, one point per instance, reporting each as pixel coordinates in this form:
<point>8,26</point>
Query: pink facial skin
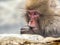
<point>33,17</point>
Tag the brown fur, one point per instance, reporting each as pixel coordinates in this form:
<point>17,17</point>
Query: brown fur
<point>48,21</point>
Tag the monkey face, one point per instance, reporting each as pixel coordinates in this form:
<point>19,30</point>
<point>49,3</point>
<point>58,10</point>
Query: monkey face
<point>33,15</point>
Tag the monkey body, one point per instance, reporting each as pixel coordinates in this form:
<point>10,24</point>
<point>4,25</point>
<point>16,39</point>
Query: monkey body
<point>49,22</point>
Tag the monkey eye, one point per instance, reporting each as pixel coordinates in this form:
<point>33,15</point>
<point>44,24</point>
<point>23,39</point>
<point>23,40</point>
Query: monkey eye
<point>35,13</point>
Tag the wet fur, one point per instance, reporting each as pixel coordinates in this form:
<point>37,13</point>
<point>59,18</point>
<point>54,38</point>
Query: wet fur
<point>49,24</point>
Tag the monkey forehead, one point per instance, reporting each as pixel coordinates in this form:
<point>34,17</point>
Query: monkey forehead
<point>32,10</point>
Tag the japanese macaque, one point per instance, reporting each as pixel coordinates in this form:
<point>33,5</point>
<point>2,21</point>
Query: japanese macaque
<point>47,20</point>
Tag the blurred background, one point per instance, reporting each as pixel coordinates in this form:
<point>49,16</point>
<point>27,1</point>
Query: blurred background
<point>12,16</point>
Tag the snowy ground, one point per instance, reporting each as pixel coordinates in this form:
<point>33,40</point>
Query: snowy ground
<point>11,16</point>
